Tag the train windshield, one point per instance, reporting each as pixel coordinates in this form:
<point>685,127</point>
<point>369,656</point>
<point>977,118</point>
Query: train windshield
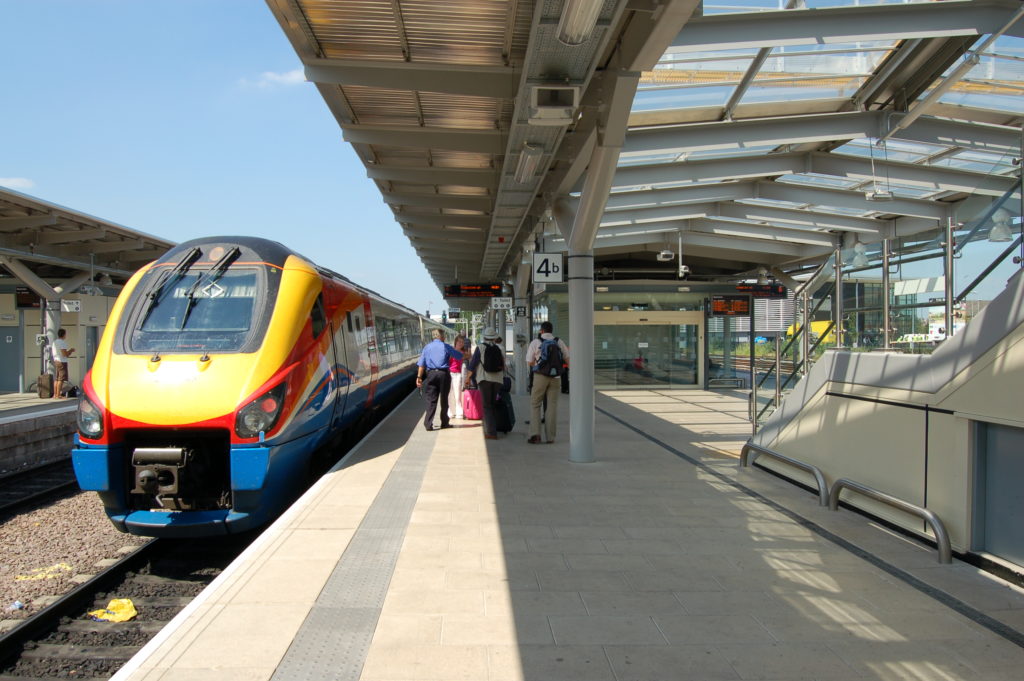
<point>197,312</point>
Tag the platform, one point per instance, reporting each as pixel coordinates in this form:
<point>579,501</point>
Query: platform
<point>439,555</point>
<point>34,431</point>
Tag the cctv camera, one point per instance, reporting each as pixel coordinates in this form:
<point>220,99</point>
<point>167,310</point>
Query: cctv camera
<point>684,271</point>
<point>666,256</point>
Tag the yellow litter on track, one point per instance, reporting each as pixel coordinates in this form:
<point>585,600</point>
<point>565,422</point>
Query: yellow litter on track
<point>117,610</point>
<point>52,572</point>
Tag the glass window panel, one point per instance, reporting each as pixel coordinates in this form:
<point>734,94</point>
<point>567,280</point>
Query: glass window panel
<point>680,98</point>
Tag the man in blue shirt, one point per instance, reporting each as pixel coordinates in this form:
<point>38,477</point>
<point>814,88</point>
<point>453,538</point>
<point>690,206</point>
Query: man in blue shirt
<point>433,376</point>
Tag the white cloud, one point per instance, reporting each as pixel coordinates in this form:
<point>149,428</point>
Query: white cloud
<point>269,79</point>
<point>16,183</point>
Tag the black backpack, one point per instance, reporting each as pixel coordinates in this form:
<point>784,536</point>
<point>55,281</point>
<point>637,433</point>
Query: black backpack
<point>551,362</point>
<point>494,358</point>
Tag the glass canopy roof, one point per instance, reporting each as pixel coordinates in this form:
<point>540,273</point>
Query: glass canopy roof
<point>913,177</point>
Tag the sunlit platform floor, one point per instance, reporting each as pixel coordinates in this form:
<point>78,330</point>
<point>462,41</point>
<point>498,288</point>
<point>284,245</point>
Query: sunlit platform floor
<point>444,556</point>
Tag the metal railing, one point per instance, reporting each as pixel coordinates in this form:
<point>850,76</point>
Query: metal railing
<point>941,536</point>
<point>746,460</point>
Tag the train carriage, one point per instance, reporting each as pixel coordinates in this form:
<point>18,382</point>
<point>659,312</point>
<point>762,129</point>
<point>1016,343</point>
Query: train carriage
<point>226,365</point>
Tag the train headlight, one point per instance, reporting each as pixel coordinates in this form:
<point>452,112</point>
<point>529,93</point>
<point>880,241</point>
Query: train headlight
<point>261,414</point>
<point>90,419</point>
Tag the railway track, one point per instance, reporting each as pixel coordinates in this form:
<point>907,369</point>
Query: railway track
<point>160,579</point>
<point>28,487</point>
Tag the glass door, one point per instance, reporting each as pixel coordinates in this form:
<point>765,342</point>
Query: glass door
<point>648,350</point>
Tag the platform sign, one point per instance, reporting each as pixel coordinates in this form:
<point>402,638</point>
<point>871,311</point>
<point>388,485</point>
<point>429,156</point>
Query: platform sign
<point>71,305</point>
<point>548,268</point>
<point>478,319</point>
<point>501,303</point>
<point>520,311</point>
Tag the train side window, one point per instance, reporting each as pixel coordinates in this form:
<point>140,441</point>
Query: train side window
<point>318,317</point>
<point>348,318</point>
<point>359,324</point>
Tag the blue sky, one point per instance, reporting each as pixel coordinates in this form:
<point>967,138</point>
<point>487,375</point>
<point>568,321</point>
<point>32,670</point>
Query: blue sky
<point>189,118</point>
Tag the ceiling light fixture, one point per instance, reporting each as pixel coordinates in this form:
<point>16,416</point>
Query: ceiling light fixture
<point>1000,230</point>
<point>529,161</point>
<point>578,20</point>
<point>860,257</point>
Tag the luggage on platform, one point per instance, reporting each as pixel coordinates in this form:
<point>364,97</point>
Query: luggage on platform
<point>472,404</point>
<point>504,413</point>
<point>45,385</point>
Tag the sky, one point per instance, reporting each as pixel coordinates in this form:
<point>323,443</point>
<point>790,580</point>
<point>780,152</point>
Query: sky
<point>191,118</point>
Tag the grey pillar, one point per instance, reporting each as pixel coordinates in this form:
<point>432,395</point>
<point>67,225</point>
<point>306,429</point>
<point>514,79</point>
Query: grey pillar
<point>522,327</point>
<point>581,356</point>
<point>949,293</point>
<point>886,312</point>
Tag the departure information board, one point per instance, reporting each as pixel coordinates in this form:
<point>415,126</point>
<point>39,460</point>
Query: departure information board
<point>730,306</point>
<point>763,290</point>
<point>472,290</point>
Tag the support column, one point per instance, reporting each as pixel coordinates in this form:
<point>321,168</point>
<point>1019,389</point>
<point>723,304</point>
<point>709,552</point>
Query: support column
<point>521,338</point>
<point>948,284</point>
<point>886,312</point>
<point>837,302</point>
<point>581,356</point>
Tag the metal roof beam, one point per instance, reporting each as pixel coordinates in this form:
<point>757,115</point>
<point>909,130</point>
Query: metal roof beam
<point>799,219</point>
<point>723,191</point>
<point>69,236</point>
<point>745,248</point>
<point>657,214</point>
<point>452,139</point>
<point>763,233</point>
<point>817,128</point>
<point>465,177</point>
<point>837,198</point>
<point>479,203</point>
<point>980,136</point>
<point>718,169</point>
<point>936,178</point>
<point>26,222</point>
<point>843,25</point>
<point>755,132</point>
<point>437,220</point>
<point>453,79</point>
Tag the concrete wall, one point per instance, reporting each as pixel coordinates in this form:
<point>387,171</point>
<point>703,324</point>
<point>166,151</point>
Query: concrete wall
<point>34,441</point>
<point>903,424</point>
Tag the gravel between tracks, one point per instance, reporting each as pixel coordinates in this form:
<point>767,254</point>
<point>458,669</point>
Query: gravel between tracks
<point>44,548</point>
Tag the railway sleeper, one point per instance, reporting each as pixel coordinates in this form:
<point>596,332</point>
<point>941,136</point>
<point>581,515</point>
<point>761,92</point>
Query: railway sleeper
<point>50,651</point>
<point>93,627</point>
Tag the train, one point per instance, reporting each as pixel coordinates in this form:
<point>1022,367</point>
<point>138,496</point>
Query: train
<point>227,368</point>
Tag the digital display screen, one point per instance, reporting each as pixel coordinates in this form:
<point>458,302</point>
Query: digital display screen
<point>763,290</point>
<point>730,306</point>
<point>472,290</point>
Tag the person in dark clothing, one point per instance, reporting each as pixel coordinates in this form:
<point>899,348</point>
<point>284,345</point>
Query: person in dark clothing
<point>434,377</point>
<point>488,381</point>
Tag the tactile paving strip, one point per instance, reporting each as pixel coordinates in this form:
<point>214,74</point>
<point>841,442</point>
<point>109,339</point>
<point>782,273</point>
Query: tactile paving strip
<point>333,641</point>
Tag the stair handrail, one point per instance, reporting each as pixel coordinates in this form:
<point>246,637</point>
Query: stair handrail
<point>938,528</point>
<point>819,478</point>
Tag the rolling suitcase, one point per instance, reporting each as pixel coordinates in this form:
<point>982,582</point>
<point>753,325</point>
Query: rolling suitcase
<point>44,385</point>
<point>472,404</point>
<point>504,414</point>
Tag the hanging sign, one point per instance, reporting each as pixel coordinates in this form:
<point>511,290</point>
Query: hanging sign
<point>548,268</point>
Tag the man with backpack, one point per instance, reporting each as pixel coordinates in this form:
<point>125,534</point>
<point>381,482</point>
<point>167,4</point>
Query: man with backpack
<point>487,368</point>
<point>547,357</point>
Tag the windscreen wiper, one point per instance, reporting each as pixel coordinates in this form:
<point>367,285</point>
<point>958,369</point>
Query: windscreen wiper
<point>177,272</point>
<point>215,272</point>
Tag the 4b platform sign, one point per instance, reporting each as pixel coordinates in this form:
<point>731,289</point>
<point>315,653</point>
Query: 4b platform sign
<point>548,268</point>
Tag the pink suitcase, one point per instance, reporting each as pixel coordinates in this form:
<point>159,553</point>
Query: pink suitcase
<point>472,405</point>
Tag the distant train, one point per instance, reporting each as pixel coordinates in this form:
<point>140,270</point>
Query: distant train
<point>225,367</point>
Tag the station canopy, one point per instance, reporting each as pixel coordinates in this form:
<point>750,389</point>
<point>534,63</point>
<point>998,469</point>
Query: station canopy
<point>758,134</point>
<point>47,241</point>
